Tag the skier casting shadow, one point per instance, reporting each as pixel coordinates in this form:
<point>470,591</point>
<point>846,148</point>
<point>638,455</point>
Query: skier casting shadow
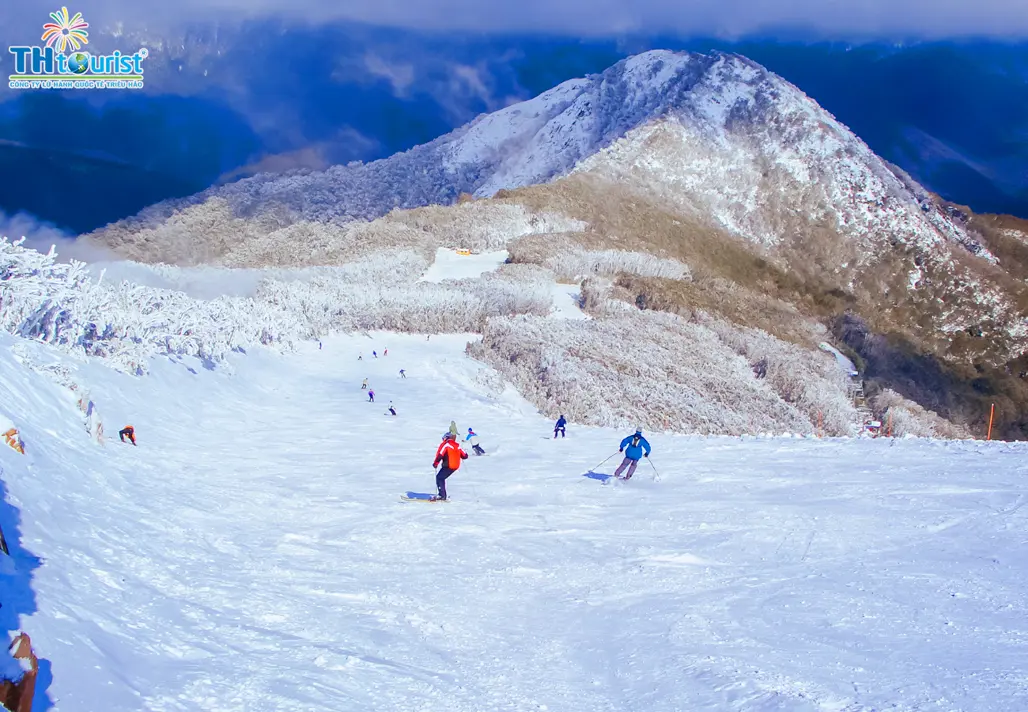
<point>635,445</point>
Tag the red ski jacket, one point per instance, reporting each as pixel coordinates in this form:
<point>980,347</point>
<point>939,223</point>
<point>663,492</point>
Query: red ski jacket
<point>451,451</point>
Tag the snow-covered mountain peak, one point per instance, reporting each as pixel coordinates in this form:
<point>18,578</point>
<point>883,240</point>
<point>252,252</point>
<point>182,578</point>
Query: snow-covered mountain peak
<point>744,147</point>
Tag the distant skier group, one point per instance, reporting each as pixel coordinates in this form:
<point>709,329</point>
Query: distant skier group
<point>450,454</point>
<point>371,391</point>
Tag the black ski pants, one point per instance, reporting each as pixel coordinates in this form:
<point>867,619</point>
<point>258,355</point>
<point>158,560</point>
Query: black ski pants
<point>440,480</point>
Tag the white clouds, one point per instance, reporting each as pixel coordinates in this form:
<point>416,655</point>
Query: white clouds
<point>400,75</point>
<point>41,236</point>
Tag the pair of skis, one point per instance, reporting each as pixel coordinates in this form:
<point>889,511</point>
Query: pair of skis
<point>420,497</point>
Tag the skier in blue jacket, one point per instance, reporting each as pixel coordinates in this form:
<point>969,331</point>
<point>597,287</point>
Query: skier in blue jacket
<point>635,445</point>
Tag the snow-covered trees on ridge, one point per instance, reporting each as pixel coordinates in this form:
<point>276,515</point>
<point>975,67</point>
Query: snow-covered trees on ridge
<point>665,372</point>
<point>694,372</point>
<point>65,305</point>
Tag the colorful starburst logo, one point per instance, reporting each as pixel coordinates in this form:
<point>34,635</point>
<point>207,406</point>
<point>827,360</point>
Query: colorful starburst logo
<point>66,31</point>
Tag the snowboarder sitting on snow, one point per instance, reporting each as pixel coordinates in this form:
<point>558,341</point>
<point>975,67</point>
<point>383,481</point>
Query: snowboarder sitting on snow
<point>450,455</point>
<point>371,396</point>
<point>128,432</point>
<point>559,427</point>
<point>473,439</point>
<point>635,444</point>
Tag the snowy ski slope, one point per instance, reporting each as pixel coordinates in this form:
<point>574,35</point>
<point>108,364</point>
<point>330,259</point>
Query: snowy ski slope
<point>449,264</point>
<point>252,553</point>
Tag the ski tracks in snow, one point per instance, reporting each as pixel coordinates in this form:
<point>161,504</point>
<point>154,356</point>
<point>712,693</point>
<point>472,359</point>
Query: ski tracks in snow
<point>251,554</point>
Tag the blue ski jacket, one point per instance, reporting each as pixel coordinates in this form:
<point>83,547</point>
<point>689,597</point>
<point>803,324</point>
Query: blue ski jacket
<point>561,423</point>
<point>635,445</point>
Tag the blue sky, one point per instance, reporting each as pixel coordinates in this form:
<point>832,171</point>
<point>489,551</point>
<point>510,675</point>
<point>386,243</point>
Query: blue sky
<point>727,18</point>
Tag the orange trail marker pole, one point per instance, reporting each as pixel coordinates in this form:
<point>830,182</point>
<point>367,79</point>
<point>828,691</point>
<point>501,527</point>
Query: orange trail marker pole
<point>992,413</point>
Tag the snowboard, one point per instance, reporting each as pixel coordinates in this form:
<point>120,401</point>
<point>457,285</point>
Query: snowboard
<point>420,497</point>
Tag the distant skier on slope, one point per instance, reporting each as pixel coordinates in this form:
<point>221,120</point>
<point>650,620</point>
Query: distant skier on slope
<point>559,427</point>
<point>364,386</point>
<point>473,439</point>
<point>361,356</point>
<point>371,396</point>
<point>635,444</point>
<point>450,455</point>
<point>385,352</point>
<point>392,411</point>
<point>375,354</point>
<point>403,374</point>
<point>453,428</point>
<point>128,432</point>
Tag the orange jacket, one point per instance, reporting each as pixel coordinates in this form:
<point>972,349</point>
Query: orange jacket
<point>451,451</point>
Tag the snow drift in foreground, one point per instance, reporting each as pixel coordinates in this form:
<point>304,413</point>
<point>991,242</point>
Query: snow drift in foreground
<point>252,553</point>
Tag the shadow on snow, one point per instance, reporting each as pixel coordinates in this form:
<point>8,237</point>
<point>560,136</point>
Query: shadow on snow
<point>17,598</point>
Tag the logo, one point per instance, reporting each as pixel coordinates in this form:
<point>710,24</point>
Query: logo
<point>63,63</point>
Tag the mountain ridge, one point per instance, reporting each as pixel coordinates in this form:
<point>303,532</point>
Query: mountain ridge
<point>529,142</point>
<point>949,113</point>
<point>709,160</point>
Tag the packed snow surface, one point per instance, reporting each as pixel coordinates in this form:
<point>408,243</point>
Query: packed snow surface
<point>566,299</point>
<point>252,553</point>
<point>450,264</point>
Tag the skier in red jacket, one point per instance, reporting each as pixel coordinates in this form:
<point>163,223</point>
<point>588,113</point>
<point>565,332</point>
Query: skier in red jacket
<point>449,454</point>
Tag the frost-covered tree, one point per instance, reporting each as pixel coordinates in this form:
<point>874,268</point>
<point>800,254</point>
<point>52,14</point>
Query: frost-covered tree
<point>657,369</point>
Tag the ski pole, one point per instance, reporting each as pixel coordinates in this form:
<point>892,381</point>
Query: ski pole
<point>603,463</point>
<point>656,475</point>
